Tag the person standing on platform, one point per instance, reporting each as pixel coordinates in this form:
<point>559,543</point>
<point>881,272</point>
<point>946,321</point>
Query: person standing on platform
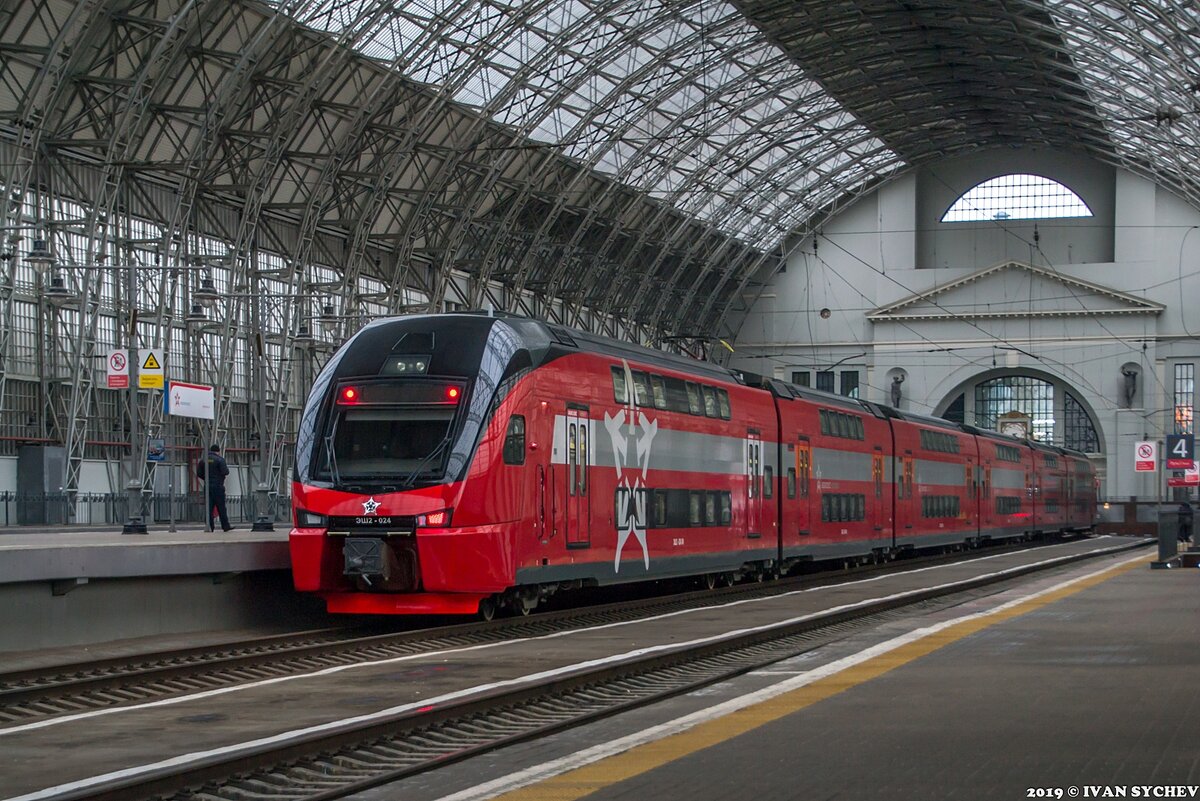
<point>216,486</point>
<point>1185,514</point>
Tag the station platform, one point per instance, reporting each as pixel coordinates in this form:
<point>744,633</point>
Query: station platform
<point>1076,685</point>
<point>62,588</point>
<point>69,554</point>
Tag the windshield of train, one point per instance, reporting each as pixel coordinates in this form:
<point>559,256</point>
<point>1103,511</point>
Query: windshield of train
<point>388,443</point>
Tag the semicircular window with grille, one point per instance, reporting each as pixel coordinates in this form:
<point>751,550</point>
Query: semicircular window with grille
<point>1055,414</point>
<point>1016,197</point>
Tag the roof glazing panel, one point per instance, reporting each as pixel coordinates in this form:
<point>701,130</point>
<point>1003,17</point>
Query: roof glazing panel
<point>687,103</point>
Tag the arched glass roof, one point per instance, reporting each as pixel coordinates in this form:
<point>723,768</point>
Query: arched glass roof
<point>687,103</point>
<point>598,162</point>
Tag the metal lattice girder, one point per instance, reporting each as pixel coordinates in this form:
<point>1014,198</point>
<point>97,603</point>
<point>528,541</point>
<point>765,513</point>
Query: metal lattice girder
<point>633,167</point>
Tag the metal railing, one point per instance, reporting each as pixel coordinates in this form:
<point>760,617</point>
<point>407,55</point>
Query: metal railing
<point>111,509</point>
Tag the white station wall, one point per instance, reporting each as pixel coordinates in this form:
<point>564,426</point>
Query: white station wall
<point>891,245</point>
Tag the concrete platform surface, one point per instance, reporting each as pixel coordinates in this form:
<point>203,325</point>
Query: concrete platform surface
<point>1084,693</point>
<point>99,554</point>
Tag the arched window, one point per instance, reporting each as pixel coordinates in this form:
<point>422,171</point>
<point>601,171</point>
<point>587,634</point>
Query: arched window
<point>1055,414</point>
<point>1017,393</point>
<point>1016,197</point>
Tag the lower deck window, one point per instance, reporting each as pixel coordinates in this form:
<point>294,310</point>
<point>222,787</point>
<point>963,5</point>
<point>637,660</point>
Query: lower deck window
<point>675,508</point>
<point>1008,505</point>
<point>843,507</point>
<point>939,506</point>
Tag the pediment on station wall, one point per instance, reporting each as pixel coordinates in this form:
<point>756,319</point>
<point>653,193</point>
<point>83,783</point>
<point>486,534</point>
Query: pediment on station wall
<point>1014,289</point>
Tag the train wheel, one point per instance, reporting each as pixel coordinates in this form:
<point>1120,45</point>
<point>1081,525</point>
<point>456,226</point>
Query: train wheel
<point>487,609</point>
<point>710,581</point>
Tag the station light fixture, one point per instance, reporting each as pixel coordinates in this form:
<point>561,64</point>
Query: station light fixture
<point>206,293</point>
<point>303,335</point>
<point>197,315</point>
<point>39,257</point>
<point>58,293</point>
<point>328,318</point>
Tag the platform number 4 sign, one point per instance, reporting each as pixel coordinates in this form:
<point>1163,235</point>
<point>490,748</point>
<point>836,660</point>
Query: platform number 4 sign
<point>1181,451</point>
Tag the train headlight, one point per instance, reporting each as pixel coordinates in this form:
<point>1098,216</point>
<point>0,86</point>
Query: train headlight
<point>307,519</point>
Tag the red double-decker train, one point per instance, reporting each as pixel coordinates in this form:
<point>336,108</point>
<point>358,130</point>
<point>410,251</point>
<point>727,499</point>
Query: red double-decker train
<point>455,464</point>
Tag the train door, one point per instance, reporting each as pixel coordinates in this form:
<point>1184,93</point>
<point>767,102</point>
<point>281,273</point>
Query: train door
<point>987,516</point>
<point>576,487</point>
<point>799,486</point>
<point>904,495</point>
<point>1069,512</point>
<point>754,489</point>
<point>878,502</point>
<point>1033,515</point>
<point>971,496</point>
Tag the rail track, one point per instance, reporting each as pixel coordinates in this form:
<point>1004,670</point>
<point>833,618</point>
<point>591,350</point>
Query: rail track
<point>31,695</point>
<point>332,762</point>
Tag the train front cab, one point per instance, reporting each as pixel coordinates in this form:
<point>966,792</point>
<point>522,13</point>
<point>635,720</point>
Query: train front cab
<point>399,505</point>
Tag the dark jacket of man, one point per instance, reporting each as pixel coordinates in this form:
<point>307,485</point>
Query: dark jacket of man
<point>220,470</point>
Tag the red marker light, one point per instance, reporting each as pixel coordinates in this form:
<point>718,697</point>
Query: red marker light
<point>435,519</point>
<point>348,395</point>
<point>452,393</point>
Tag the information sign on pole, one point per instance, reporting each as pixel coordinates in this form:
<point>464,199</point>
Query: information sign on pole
<point>117,368</point>
<point>1145,457</point>
<point>1185,478</point>
<point>156,449</point>
<point>189,400</point>
<point>1181,451</point>
<point>151,362</point>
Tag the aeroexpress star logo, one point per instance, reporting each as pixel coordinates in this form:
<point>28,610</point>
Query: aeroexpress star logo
<point>632,434</point>
<point>370,506</point>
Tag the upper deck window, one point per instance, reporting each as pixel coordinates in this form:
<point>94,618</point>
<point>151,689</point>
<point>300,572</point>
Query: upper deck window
<point>1007,453</point>
<point>939,441</point>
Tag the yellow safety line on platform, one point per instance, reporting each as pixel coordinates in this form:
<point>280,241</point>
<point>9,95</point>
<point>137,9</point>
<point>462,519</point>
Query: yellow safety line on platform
<point>583,781</point>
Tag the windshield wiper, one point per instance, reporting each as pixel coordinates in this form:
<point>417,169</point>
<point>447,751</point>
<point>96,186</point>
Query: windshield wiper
<point>411,478</point>
<point>332,458</point>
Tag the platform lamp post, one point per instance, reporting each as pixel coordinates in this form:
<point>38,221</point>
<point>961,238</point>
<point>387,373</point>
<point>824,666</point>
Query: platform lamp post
<point>134,523</point>
<point>262,518</point>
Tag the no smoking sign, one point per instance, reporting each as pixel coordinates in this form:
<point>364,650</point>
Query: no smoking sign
<point>118,369</point>
<point>1145,457</point>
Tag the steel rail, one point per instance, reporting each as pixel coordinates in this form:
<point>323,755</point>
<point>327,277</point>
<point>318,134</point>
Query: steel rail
<point>30,695</point>
<point>33,694</point>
